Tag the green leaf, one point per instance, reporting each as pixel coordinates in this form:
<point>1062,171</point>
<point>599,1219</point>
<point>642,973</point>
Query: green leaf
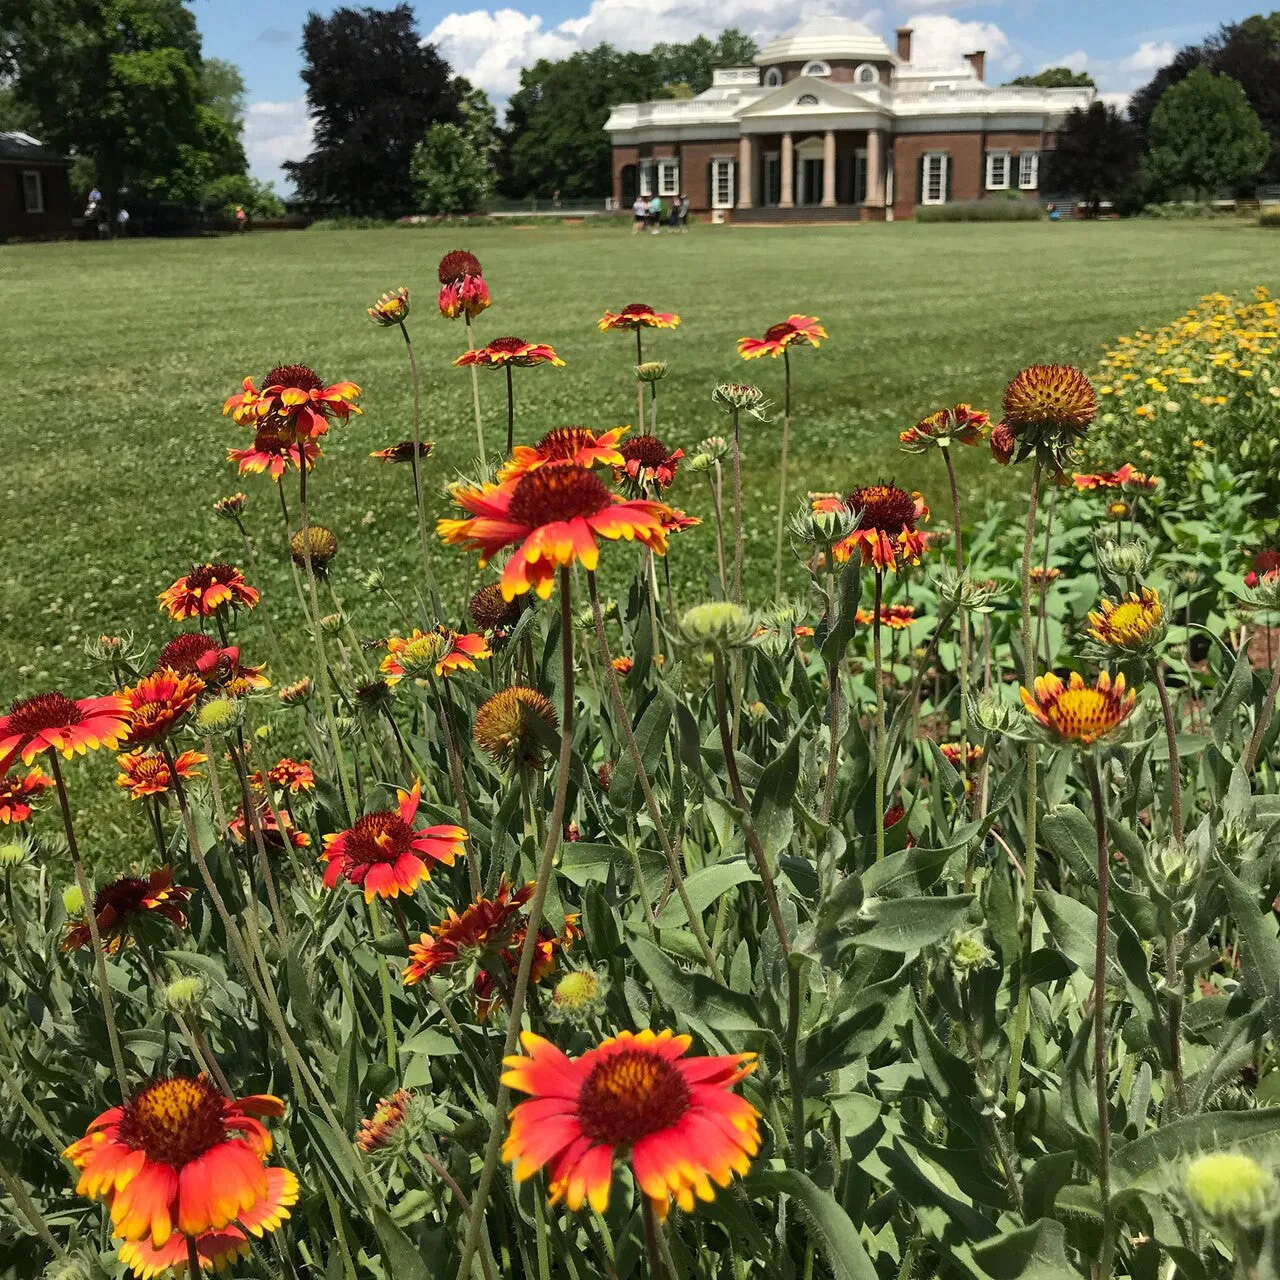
<point>399,1253</point>
<point>586,863</point>
<point>907,924</point>
<point>914,870</point>
<point>625,795</point>
<point>830,1227</point>
<point>1229,700</point>
<point>703,888</point>
<point>1073,926</point>
<point>433,1043</point>
<point>850,588</point>
<point>771,804</point>
<point>1036,1252</point>
<point>693,995</point>
<point>1071,837</point>
<point>1145,1163</point>
<point>1260,955</point>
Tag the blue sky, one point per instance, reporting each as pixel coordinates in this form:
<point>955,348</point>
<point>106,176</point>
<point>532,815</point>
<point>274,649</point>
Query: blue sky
<point>1121,42</point>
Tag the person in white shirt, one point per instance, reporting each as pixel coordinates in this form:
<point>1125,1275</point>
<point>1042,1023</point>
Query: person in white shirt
<point>639,212</point>
<point>122,222</point>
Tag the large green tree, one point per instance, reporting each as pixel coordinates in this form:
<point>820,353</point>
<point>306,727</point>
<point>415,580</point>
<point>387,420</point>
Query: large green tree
<point>1096,156</point>
<point>1204,136</point>
<point>1054,78</point>
<point>450,173</point>
<point>691,64</point>
<point>117,81</point>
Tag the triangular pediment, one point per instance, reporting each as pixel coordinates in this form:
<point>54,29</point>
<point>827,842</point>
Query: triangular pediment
<point>807,95</point>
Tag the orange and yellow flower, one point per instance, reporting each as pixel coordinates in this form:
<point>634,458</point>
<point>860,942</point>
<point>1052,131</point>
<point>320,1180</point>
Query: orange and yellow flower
<point>804,330</point>
<point>550,944</point>
<point>637,315</point>
<point>391,308</point>
<point>274,834</point>
<point>17,791</point>
<point>886,531</point>
<point>443,651</point>
<point>484,927</point>
<point>971,755</point>
<point>897,617</point>
<point>1133,624</point>
<point>648,463</point>
<point>147,773</point>
<point>961,424</point>
<point>1076,712</point>
<point>552,517</point>
<point>292,776</point>
<point>124,904</point>
<point>1040,574</point>
<point>676,1121</point>
<point>578,445</point>
<point>405,451</point>
<point>205,589</point>
<point>463,291</point>
<point>381,1128</point>
<point>181,1161</point>
<point>54,722</point>
<point>1048,406</point>
<point>297,397</point>
<point>274,450</point>
<point>158,702</point>
<point>1125,477</point>
<point>677,521</point>
<point>510,351</point>
<point>384,855</point>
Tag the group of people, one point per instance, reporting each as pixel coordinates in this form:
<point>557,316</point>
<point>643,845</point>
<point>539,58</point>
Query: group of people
<point>651,213</point>
<point>96,213</point>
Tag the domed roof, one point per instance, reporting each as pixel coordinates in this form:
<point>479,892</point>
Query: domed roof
<point>825,37</point>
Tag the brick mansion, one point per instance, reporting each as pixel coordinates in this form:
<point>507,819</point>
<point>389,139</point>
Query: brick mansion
<point>832,124</point>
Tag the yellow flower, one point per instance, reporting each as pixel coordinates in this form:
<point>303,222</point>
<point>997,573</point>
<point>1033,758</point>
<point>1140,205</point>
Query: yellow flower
<point>1078,713</point>
<point>1133,624</point>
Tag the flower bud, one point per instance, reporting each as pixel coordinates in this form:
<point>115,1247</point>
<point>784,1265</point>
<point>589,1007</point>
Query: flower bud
<point>579,995</point>
<point>959,590</point>
<point>651,371</point>
<point>186,995</point>
<point>757,712</point>
<point>295,694</point>
<point>331,623</point>
<point>1266,592</point>
<point>373,580</point>
<point>220,715</point>
<point>12,856</point>
<point>992,715</point>
<point>969,953</point>
<point>73,901</point>
<point>822,528</point>
<point>716,447</point>
<point>322,544</point>
<point>740,397</point>
<point>391,308</point>
<point>701,462</point>
<point>719,624</point>
<point>230,507</point>
<point>1231,1189</point>
<point>1129,559</point>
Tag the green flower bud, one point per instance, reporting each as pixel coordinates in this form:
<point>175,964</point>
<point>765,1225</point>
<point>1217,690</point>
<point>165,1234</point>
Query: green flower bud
<point>992,715</point>
<point>969,953</point>
<point>822,528</point>
<point>220,715</point>
<point>1121,560</point>
<point>67,1269</point>
<point>73,901</point>
<point>331,623</point>
<point>701,462</point>
<point>719,624</point>
<point>372,580</point>
<point>651,371</point>
<point>740,397</point>
<point>12,856</point>
<point>186,995</point>
<point>1230,1189</point>
<point>579,995</point>
<point>717,447</point>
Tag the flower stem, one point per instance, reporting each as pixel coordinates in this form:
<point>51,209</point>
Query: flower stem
<point>1171,737</point>
<point>880,730</point>
<point>1101,1059</point>
<point>475,392</point>
<point>962,619</point>
<point>737,513</point>
<point>1018,1033</point>
<point>414,461</point>
<point>511,411</point>
<point>1264,722</point>
<point>657,1269</point>
<point>717,502</point>
<point>459,783</point>
<point>384,982</point>
<point>22,1200</point>
<point>555,829</point>
<point>193,1259</point>
<point>639,384</point>
<point>833,704</point>
<point>95,938</point>
<point>782,469</point>
<point>253,824</point>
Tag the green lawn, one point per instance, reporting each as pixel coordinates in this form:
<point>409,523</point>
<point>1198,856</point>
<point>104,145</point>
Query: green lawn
<point>118,357</point>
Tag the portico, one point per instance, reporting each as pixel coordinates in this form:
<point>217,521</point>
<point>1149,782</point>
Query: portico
<point>799,169</point>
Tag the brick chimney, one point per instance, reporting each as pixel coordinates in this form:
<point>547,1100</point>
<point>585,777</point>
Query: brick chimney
<point>978,61</point>
<point>904,43</point>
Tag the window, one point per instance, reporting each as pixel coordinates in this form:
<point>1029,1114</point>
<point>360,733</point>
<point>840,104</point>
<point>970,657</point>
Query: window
<point>772,78</point>
<point>933,179</point>
<point>867,74</point>
<point>807,100</point>
<point>860,176</point>
<point>815,68</point>
<point>644,170</point>
<point>997,170</point>
<point>936,86</point>
<point>722,184</point>
<point>32,191</point>
<point>1029,170</point>
<point>668,178</point>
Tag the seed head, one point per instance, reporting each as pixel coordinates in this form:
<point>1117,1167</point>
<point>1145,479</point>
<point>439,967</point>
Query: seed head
<point>579,995</point>
<point>651,371</point>
<point>1230,1189</point>
<point>219,716</point>
<point>719,624</point>
<point>73,901</point>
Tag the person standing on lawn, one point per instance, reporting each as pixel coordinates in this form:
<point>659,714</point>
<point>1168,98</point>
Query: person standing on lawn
<point>655,215</point>
<point>639,213</point>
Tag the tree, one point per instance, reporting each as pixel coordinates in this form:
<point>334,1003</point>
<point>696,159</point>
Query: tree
<point>374,89</point>
<point>1205,135</point>
<point>222,90</point>
<point>1054,78</point>
<point>450,173</point>
<point>691,64</point>
<point>1096,155</point>
<point>115,80</point>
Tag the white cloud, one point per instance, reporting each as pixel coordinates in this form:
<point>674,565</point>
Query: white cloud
<point>938,39</point>
<point>275,132</point>
<point>1077,60</point>
<point>1149,57</point>
<point>490,48</point>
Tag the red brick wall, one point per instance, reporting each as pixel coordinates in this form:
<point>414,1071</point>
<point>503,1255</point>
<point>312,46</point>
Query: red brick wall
<point>695,169</point>
<point>16,222</point>
<point>1026,140</point>
<point>622,157</point>
<point>967,166</point>
<point>842,70</point>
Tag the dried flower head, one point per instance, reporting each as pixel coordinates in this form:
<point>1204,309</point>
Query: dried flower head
<point>491,612</point>
<point>320,543</point>
<point>505,729</point>
<point>1048,408</point>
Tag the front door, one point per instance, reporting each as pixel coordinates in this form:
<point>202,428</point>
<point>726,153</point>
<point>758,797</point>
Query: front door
<point>772,191</point>
<point>810,182</point>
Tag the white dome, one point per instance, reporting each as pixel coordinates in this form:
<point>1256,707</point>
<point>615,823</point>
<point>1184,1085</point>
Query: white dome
<point>825,37</point>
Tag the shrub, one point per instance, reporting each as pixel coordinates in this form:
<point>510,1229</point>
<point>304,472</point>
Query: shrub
<point>1015,210</point>
<point>350,222</point>
<point>1269,218</point>
<point>1179,210</point>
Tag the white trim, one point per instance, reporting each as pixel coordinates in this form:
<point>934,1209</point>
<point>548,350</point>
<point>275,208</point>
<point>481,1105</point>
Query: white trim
<point>644,178</point>
<point>998,178</point>
<point>668,177</point>
<point>866,66</point>
<point>816,68</point>
<point>772,78</point>
<point>938,179</point>
<point>32,192</point>
<point>1028,170</point>
<point>723,172</point>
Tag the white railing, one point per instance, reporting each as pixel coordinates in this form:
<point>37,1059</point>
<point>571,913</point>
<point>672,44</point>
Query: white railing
<point>672,112</point>
<point>1010,96</point>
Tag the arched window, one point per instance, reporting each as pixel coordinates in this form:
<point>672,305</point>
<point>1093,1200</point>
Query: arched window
<point>815,68</point>
<point>807,100</point>
<point>867,74</point>
<point>772,78</point>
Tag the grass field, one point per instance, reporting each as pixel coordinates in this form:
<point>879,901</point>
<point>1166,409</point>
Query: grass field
<point>117,359</point>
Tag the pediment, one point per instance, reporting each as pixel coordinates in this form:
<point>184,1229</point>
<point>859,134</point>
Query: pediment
<point>808,95</point>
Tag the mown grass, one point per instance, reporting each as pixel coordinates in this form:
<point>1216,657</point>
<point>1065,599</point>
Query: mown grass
<point>117,359</point>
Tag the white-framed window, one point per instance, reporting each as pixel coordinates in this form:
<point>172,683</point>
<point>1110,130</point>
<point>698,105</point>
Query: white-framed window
<point>933,183</point>
<point>997,171</point>
<point>32,191</point>
<point>860,176</point>
<point>937,86</point>
<point>1028,170</point>
<point>867,74</point>
<point>815,68</point>
<point>772,78</point>
<point>668,178</point>
<point>645,177</point>
<point>722,183</point>
<point>807,100</point>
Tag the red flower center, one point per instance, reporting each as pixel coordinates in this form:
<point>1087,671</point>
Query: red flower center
<point>894,815</point>
<point>553,494</point>
<point>884,507</point>
<point>508,344</point>
<point>776,332</point>
<point>378,837</point>
<point>204,576</point>
<point>1266,561</point>
<point>44,711</point>
<point>648,451</point>
<point>123,896</point>
<point>456,264</point>
<point>184,652</point>
<point>630,1095</point>
<point>637,309</point>
<point>564,442</point>
<point>174,1121</point>
<point>294,375</point>
<point>144,771</point>
<point>489,610</point>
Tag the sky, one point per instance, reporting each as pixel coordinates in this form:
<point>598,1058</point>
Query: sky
<point>1120,42</point>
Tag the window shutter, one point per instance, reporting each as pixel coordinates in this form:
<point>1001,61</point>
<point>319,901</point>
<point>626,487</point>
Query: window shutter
<point>920,181</point>
<point>710,180</point>
<point>946,170</point>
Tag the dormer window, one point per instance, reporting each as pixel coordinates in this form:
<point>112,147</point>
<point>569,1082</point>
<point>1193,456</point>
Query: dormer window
<point>815,68</point>
<point>807,100</point>
<point>866,74</point>
<point>941,86</point>
<point>772,78</point>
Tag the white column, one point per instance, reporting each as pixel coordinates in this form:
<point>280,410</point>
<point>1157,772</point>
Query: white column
<point>829,169</point>
<point>788,161</point>
<point>745,176</point>
<point>875,170</point>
